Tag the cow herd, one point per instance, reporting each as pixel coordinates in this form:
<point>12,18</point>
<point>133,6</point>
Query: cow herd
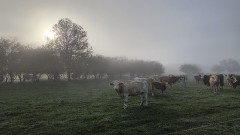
<point>140,86</point>
<point>216,81</point>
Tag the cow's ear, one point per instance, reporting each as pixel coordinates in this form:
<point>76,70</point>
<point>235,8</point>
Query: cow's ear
<point>110,83</point>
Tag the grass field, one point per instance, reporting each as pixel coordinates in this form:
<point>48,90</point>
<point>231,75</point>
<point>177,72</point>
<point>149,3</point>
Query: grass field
<point>93,107</point>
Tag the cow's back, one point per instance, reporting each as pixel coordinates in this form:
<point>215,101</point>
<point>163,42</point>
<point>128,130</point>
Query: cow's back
<point>134,88</point>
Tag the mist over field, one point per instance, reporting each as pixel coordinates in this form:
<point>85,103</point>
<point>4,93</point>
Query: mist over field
<point>119,67</point>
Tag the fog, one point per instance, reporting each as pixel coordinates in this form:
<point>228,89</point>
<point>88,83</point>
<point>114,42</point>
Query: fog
<point>200,32</point>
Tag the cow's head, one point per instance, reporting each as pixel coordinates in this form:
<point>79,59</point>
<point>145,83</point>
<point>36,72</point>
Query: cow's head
<point>232,79</point>
<point>214,78</point>
<point>117,85</point>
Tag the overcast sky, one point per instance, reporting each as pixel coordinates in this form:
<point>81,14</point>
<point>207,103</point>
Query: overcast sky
<point>172,32</point>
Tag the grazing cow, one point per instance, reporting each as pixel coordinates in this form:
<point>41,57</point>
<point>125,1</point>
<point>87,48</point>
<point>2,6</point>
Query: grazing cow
<point>131,88</point>
<point>233,80</point>
<point>158,85</point>
<point>214,82</point>
<point>198,78</point>
<point>169,80</point>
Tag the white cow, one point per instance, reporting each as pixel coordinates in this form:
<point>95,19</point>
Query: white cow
<point>214,82</point>
<point>131,88</point>
<point>148,80</point>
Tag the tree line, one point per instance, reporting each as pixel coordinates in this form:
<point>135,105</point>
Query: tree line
<point>69,54</point>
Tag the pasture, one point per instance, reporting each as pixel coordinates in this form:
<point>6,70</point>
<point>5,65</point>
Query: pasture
<point>93,107</point>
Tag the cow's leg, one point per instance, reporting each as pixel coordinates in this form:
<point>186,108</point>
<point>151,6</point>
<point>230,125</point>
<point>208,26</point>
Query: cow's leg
<point>142,99</point>
<point>152,90</point>
<point>125,99</point>
<point>146,98</point>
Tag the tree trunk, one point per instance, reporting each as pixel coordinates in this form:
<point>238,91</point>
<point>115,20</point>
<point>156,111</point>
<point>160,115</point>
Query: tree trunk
<point>69,75</point>
<point>6,79</point>
<point>20,77</point>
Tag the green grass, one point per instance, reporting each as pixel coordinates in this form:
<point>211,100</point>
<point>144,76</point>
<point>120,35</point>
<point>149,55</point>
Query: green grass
<point>93,107</point>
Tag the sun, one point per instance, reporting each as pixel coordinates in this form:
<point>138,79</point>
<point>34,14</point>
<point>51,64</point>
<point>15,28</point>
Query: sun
<point>49,34</point>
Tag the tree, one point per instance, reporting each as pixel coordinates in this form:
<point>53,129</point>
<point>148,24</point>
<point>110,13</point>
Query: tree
<point>230,65</point>
<point>70,42</point>
<point>189,69</point>
<point>10,52</point>
<point>218,69</point>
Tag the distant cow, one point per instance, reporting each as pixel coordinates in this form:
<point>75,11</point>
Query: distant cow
<point>169,80</point>
<point>206,80</point>
<point>233,80</point>
<point>198,78</point>
<point>131,88</point>
<point>158,85</point>
<point>214,81</point>
<point>221,80</point>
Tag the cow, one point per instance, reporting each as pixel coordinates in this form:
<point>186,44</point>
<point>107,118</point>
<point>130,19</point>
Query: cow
<point>214,81</point>
<point>148,80</point>
<point>131,88</point>
<point>206,80</point>
<point>198,78</point>
<point>169,80</point>
<point>221,80</point>
<point>158,85</point>
<point>233,80</point>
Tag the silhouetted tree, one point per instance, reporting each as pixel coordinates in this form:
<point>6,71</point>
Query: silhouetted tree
<point>189,69</point>
<point>218,69</point>
<point>70,42</point>
<point>10,54</point>
<point>230,65</point>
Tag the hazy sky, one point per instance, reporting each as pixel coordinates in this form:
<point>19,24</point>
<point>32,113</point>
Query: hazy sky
<point>172,32</point>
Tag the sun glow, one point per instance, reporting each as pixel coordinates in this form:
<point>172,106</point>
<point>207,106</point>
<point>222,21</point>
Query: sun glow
<point>49,34</point>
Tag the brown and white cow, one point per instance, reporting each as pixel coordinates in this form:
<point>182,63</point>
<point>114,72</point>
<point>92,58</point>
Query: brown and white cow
<point>233,80</point>
<point>158,85</point>
<point>214,82</point>
<point>131,88</point>
<point>170,80</point>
